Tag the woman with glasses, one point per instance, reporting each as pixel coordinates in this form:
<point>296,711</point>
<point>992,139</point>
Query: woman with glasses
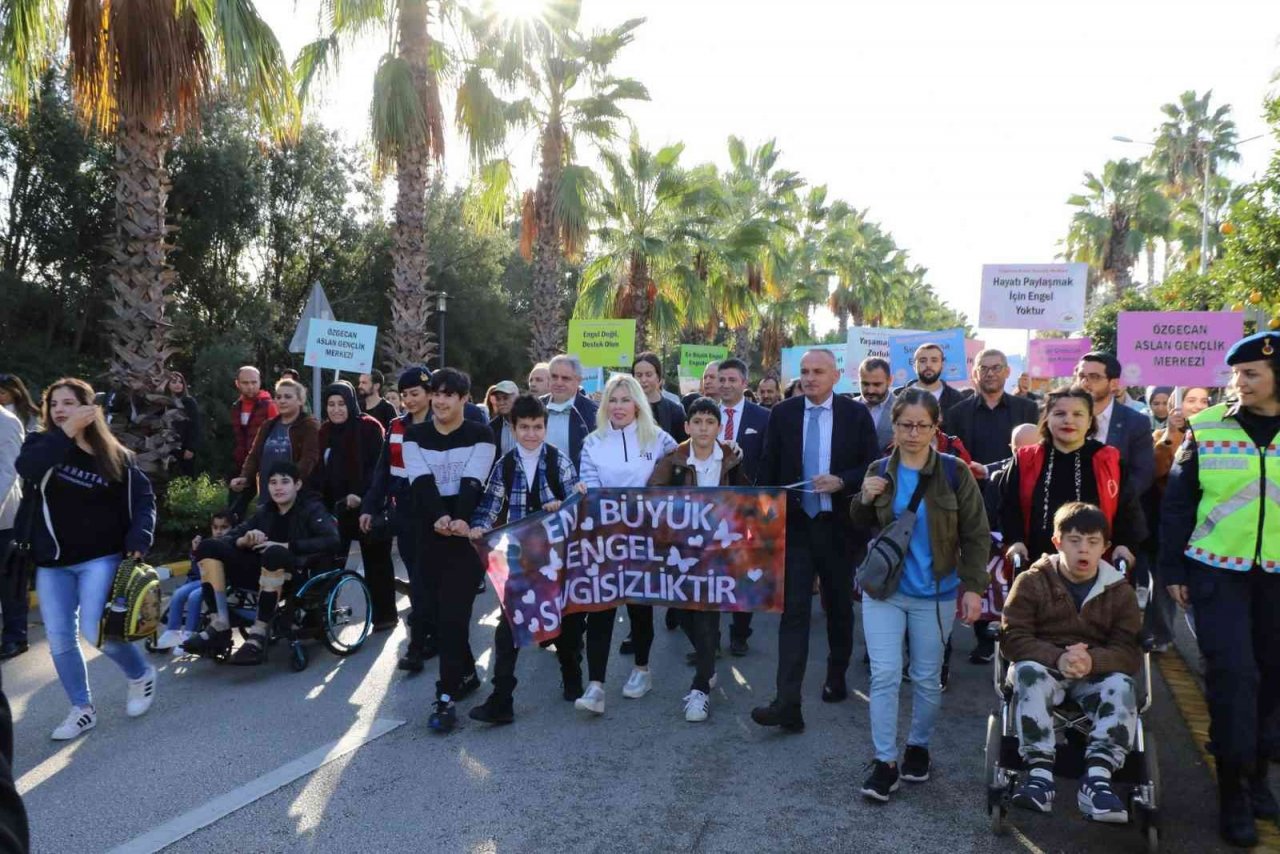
<point>948,551</point>
<point>1066,465</point>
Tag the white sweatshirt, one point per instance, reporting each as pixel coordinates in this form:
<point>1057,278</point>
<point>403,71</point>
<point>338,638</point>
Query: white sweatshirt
<point>615,458</point>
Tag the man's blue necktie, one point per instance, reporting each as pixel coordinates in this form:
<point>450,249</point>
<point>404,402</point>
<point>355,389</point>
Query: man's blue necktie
<point>812,501</point>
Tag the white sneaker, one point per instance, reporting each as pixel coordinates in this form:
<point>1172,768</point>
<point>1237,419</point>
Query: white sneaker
<point>79,719</point>
<point>141,692</point>
<point>592,700</point>
<point>639,683</point>
<point>696,706</point>
<point>170,638</point>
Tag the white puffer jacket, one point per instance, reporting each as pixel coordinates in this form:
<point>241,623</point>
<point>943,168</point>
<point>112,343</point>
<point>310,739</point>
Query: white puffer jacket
<point>11,436</point>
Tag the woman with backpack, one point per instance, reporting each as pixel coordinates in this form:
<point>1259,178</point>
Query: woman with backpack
<point>91,508</point>
<point>948,550</point>
<point>349,446</point>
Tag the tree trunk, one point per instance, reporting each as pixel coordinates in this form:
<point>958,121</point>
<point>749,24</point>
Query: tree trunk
<point>842,323</point>
<point>548,330</point>
<point>1151,262</point>
<point>742,343</point>
<point>639,292</point>
<point>410,341</point>
<point>140,276</point>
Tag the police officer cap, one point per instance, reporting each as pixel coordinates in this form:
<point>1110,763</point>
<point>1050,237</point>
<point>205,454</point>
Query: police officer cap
<point>1255,348</point>
<point>415,377</point>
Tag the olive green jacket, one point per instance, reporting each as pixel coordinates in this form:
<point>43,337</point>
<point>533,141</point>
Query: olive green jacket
<point>959,534</point>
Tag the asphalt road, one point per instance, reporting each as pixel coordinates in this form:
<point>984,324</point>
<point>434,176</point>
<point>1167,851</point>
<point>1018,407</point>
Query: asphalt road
<point>638,779</point>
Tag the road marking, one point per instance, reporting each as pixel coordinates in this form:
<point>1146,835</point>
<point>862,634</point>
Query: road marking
<point>1190,701</point>
<point>1025,842</point>
<point>207,813</point>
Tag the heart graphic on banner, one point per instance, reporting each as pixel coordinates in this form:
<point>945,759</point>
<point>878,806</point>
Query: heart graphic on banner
<point>593,570</point>
<point>529,598</point>
<point>755,574</point>
<point>587,524</point>
<point>695,541</point>
<point>518,618</point>
<point>533,624</point>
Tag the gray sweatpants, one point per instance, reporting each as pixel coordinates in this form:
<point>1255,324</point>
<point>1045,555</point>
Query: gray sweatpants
<point>1110,701</point>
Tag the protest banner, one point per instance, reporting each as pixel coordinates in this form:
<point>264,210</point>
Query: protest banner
<point>689,385</point>
<point>791,357</point>
<point>340,346</point>
<point>1017,366</point>
<point>972,347</point>
<point>603,343</point>
<point>1179,348</point>
<point>705,549</point>
<point>865,342</point>
<point>1049,358</point>
<point>902,349</point>
<point>694,358</point>
<point>1033,296</point>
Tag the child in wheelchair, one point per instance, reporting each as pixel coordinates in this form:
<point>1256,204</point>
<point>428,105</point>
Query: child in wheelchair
<point>281,538</point>
<point>1070,631</point>
<point>187,600</point>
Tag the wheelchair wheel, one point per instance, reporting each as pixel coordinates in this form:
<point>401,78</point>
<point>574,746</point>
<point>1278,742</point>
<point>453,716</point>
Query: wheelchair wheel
<point>348,615</point>
<point>997,801</point>
<point>1149,813</point>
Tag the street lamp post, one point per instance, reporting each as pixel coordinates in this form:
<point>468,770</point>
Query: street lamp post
<point>442,307</point>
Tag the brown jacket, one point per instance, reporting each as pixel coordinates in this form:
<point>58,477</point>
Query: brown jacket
<point>304,437</point>
<point>674,469</point>
<point>1040,619</point>
<point>959,534</point>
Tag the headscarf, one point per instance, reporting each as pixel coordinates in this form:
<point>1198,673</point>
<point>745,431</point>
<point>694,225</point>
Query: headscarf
<point>347,392</point>
<point>1152,391</point>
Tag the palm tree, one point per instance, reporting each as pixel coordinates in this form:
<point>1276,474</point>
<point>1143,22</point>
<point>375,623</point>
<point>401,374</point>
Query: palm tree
<point>1191,142</point>
<point>140,71</point>
<point>556,80</point>
<point>407,127</point>
<point>635,272</point>
<point>1114,217</point>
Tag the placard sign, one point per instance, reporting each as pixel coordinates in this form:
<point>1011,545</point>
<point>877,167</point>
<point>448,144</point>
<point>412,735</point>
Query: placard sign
<point>902,349</point>
<point>791,357</point>
<point>1033,296</point>
<point>603,343</point>
<point>340,346</point>
<point>694,358</point>
<point>1180,348</point>
<point>1049,358</point>
<point>867,341</point>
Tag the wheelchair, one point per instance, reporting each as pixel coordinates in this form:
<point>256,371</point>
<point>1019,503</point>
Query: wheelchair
<point>330,603</point>
<point>1071,727</point>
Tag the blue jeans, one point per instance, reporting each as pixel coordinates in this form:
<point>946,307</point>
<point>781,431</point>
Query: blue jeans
<point>884,624</point>
<point>65,593</point>
<point>188,598</point>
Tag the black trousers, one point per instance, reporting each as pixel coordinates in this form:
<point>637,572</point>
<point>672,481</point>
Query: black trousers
<point>505,653</point>
<point>1237,616</point>
<point>422,627</point>
<point>703,631</point>
<point>599,632</point>
<point>379,573</point>
<point>815,546</point>
<point>243,568</point>
<point>451,576</point>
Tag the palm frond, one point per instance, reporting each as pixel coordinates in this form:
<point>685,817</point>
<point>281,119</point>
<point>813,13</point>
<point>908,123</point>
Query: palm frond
<point>30,31</point>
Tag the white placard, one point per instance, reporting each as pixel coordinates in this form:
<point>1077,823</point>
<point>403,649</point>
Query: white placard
<point>1033,296</point>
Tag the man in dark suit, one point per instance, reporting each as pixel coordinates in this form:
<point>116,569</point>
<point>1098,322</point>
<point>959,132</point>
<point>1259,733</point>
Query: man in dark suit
<point>745,423</point>
<point>1125,429</point>
<point>824,442</point>
<point>570,416</point>
<point>985,421</point>
<point>928,361</point>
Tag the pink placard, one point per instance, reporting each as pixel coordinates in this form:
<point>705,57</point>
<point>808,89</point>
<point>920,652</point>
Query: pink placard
<point>1177,347</point>
<point>1049,358</point>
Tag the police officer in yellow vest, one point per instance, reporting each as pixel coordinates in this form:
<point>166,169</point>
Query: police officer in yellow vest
<point>1220,555</point>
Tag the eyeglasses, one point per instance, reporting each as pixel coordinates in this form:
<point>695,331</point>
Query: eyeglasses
<point>987,370</point>
<point>912,429</point>
<point>1091,377</point>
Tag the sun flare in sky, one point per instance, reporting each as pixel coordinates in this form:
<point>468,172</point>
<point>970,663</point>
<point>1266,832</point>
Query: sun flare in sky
<point>522,10</point>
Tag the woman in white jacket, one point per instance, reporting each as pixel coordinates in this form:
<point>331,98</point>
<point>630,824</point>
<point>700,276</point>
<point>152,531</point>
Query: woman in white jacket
<point>622,452</point>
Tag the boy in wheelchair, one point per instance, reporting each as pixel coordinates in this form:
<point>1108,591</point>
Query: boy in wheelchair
<point>1070,631</point>
<point>282,538</point>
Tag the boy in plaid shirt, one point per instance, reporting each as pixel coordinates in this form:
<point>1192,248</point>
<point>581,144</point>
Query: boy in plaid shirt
<point>533,476</point>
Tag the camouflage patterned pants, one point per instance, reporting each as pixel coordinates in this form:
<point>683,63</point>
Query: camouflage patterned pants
<point>1110,701</point>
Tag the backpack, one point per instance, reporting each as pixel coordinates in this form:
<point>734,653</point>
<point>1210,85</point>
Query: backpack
<point>553,473</point>
<point>132,611</point>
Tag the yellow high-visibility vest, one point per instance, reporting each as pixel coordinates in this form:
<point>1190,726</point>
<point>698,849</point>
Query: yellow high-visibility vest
<point>1238,481</point>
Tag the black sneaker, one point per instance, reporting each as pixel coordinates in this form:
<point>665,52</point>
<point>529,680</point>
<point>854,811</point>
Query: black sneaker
<point>738,646</point>
<point>571,686</point>
<point>915,764</point>
<point>444,717</point>
<point>776,714</point>
<point>495,710</point>
<point>882,782</point>
<point>983,652</point>
<point>945,678</point>
<point>468,686</point>
<point>672,620</point>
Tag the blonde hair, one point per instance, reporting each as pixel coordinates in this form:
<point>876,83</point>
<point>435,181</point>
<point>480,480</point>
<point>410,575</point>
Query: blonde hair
<point>646,429</point>
<point>298,388</point>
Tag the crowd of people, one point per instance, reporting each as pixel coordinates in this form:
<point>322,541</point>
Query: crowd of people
<point>1084,487</point>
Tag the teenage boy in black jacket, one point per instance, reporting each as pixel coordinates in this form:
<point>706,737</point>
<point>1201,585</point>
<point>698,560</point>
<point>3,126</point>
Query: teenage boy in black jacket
<point>283,536</point>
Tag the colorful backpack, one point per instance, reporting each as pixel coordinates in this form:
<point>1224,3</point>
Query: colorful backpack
<point>133,608</point>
